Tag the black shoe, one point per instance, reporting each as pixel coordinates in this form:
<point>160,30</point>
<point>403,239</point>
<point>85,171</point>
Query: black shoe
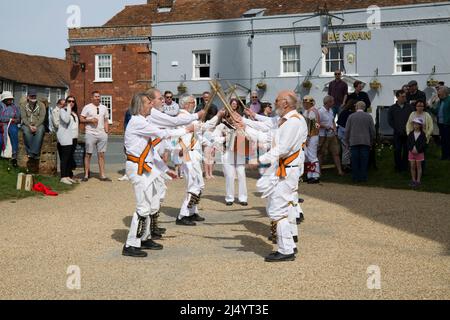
<point>229,204</point>
<point>295,239</point>
<point>14,163</point>
<point>105,179</point>
<point>150,245</point>
<point>300,200</point>
<point>295,250</point>
<point>85,179</point>
<point>133,252</point>
<point>279,257</point>
<point>244,204</point>
<point>196,217</point>
<point>185,221</point>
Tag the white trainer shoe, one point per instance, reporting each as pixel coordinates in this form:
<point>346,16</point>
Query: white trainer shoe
<point>124,178</point>
<point>66,181</point>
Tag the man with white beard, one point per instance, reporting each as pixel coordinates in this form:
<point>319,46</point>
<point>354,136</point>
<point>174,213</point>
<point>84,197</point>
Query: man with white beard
<point>279,184</point>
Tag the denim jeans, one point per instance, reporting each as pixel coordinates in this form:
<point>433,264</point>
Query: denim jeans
<point>14,136</point>
<point>33,141</point>
<point>360,162</point>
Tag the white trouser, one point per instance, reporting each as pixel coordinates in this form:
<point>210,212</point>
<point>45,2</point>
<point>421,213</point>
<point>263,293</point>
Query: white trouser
<point>279,209</point>
<point>311,157</point>
<point>234,165</point>
<point>195,184</point>
<point>292,217</point>
<point>230,172</point>
<point>147,190</point>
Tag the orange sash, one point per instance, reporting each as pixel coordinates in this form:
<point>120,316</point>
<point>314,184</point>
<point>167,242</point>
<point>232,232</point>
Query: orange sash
<point>156,142</point>
<point>281,172</point>
<point>141,160</point>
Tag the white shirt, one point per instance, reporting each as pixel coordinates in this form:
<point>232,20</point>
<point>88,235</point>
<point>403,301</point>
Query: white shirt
<point>327,120</point>
<point>286,140</point>
<point>162,120</point>
<point>138,133</point>
<point>171,110</point>
<point>90,112</point>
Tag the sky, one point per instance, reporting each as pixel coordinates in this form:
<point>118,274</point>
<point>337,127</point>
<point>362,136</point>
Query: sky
<point>39,27</point>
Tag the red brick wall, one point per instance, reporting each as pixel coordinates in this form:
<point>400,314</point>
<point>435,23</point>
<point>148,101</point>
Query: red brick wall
<point>131,73</point>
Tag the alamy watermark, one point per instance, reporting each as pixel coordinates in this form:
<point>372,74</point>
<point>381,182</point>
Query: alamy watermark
<point>374,279</point>
<point>74,278</point>
<point>74,19</point>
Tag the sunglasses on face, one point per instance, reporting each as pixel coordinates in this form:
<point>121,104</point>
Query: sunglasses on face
<point>169,97</point>
<point>70,101</point>
<point>338,74</point>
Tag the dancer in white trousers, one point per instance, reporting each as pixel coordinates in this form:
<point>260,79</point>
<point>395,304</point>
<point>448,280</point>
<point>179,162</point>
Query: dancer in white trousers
<point>312,117</point>
<point>269,125</point>
<point>233,160</point>
<point>144,170</point>
<point>191,157</point>
<point>281,180</point>
<point>160,146</point>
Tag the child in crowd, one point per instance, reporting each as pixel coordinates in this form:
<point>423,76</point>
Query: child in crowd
<point>417,142</point>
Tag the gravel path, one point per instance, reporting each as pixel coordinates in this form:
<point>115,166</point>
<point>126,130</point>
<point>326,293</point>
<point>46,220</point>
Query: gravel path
<point>347,229</point>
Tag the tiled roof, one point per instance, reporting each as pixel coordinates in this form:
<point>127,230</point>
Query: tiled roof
<point>197,10</point>
<point>34,70</point>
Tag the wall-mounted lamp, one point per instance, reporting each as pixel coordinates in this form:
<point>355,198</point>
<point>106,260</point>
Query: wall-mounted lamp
<point>76,59</point>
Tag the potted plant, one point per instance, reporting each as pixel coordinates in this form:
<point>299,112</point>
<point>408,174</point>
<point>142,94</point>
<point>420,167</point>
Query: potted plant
<point>432,82</point>
<point>375,84</point>
<point>307,84</point>
<point>261,85</point>
<point>182,88</point>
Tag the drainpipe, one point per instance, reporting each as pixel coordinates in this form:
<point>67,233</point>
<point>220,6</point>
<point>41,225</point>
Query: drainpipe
<point>155,78</point>
<point>250,42</point>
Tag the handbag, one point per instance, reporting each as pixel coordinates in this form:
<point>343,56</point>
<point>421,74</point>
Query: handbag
<point>7,148</point>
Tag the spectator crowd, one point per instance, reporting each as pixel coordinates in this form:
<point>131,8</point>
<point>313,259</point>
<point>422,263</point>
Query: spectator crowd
<point>341,127</point>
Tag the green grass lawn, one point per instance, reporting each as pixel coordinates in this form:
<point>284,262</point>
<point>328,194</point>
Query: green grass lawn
<point>8,182</point>
<point>435,179</point>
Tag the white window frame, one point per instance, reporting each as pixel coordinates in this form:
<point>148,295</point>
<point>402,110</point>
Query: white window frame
<point>24,90</point>
<point>48,93</point>
<point>110,108</point>
<point>282,71</point>
<point>397,64</point>
<point>58,94</point>
<point>97,68</point>
<point>325,61</point>
<point>195,66</point>
<point>8,86</point>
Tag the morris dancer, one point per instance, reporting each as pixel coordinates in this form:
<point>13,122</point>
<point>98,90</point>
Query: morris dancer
<point>144,170</point>
<point>163,121</point>
<point>269,125</point>
<point>191,156</point>
<point>281,180</point>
